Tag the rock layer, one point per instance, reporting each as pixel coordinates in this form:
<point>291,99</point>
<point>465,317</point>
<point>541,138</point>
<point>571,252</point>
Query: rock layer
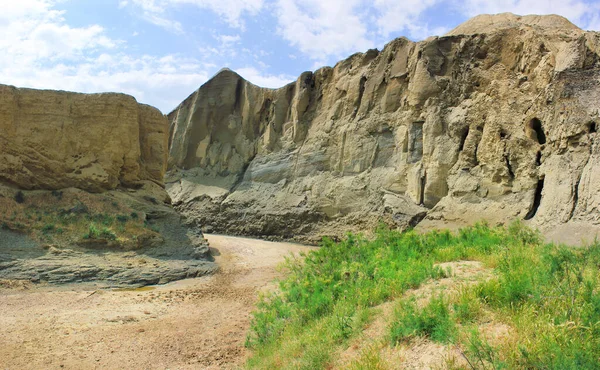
<point>496,121</point>
<point>95,142</point>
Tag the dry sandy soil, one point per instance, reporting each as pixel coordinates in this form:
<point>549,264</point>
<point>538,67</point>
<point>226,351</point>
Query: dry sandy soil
<point>191,324</point>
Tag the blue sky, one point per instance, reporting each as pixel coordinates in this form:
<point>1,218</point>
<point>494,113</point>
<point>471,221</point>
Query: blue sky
<point>160,51</point>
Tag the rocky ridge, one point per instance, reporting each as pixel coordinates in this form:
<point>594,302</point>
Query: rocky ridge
<point>494,121</point>
<point>82,195</point>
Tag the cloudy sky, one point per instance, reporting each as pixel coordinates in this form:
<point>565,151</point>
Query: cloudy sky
<point>160,51</point>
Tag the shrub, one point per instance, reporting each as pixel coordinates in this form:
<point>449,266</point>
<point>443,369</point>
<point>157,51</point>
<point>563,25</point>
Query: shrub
<point>99,233</point>
<point>48,228</point>
<point>122,218</point>
<point>20,197</point>
<point>93,232</point>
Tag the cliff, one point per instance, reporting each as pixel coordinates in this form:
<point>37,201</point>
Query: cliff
<point>56,139</point>
<point>495,121</point>
<point>82,194</point>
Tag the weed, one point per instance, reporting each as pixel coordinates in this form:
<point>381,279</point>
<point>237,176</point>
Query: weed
<point>480,354</point>
<point>467,306</point>
<point>432,321</point>
<point>369,359</point>
<point>93,232</point>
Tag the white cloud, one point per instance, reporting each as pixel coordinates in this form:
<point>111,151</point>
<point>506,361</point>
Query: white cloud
<point>231,11</point>
<point>258,78</point>
<point>395,16</point>
<point>228,39</point>
<point>328,30</point>
<point>32,30</point>
<point>571,9</point>
<point>40,50</point>
<point>323,28</point>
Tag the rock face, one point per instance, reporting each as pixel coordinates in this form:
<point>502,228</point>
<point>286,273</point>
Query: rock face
<point>82,194</point>
<point>496,120</point>
<point>95,142</point>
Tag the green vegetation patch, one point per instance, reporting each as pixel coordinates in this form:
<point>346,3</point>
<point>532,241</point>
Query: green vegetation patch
<point>546,296</point>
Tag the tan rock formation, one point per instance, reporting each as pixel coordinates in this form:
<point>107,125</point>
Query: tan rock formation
<point>496,121</point>
<point>56,149</point>
<point>56,139</point>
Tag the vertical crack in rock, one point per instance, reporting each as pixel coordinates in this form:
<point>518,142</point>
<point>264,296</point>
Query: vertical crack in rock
<point>535,125</point>
<point>511,172</point>
<point>422,189</point>
<point>361,91</point>
<point>463,139</point>
<point>537,200</point>
<point>591,127</point>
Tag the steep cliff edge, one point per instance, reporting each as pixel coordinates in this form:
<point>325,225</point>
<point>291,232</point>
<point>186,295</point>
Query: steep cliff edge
<point>82,193</point>
<point>95,142</point>
<point>496,121</point>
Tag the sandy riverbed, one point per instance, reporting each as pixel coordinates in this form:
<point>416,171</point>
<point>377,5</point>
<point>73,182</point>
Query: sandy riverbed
<point>190,324</point>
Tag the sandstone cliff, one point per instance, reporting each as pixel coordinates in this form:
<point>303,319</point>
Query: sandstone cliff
<point>56,139</point>
<point>495,121</point>
<point>82,192</point>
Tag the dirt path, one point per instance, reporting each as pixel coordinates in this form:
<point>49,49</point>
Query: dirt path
<point>190,324</point>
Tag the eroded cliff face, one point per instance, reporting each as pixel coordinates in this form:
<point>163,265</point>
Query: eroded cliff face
<point>495,121</point>
<point>82,194</point>
<point>95,142</point>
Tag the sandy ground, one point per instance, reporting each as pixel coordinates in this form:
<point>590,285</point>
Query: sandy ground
<point>190,324</point>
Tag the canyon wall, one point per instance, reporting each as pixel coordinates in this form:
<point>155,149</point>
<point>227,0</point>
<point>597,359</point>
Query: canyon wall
<point>82,195</point>
<point>95,142</point>
<point>494,121</point>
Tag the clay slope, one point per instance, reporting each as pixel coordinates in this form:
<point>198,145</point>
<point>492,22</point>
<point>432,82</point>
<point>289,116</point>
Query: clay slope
<point>496,121</point>
<point>82,194</point>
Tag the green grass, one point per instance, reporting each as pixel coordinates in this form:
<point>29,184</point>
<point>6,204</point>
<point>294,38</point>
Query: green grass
<point>547,294</point>
<point>95,232</point>
<point>431,321</point>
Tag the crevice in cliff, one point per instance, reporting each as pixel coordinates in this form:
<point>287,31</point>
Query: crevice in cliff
<point>511,172</point>
<point>537,200</point>
<point>575,197</point>
<point>477,142</point>
<point>538,158</point>
<point>536,125</point>
<point>422,183</point>
<point>238,95</point>
<point>463,139</point>
<point>361,91</point>
<point>591,127</point>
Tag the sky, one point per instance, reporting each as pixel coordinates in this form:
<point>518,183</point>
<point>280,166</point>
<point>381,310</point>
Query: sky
<point>161,51</point>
